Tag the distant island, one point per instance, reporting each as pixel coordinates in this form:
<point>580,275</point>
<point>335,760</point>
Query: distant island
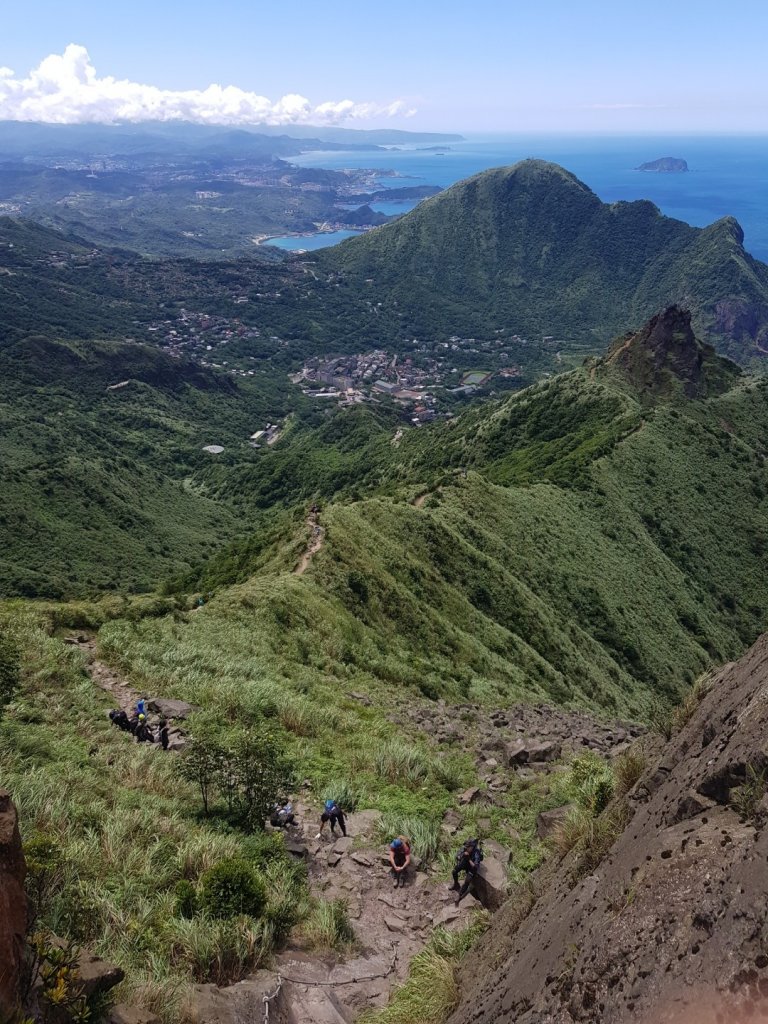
<point>434,149</point>
<point>665,165</point>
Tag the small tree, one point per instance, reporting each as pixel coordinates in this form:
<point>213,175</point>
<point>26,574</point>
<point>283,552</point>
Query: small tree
<point>257,773</point>
<point>202,763</point>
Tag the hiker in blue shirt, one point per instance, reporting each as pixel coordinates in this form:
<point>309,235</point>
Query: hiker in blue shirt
<point>334,814</point>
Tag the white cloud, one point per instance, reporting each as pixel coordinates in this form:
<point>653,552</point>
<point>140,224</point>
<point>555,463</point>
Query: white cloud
<point>65,89</point>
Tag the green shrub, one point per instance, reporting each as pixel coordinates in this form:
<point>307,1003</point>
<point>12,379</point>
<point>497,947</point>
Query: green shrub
<point>185,898</point>
<point>230,889</point>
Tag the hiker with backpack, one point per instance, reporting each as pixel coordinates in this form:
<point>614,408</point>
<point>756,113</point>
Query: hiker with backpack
<point>119,718</point>
<point>282,814</point>
<point>143,733</point>
<point>399,859</point>
<point>467,860</point>
<point>162,734</point>
<point>333,814</point>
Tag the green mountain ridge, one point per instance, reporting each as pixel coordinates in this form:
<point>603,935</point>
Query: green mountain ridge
<point>532,249</point>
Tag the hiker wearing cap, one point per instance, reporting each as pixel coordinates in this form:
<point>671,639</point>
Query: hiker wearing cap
<point>399,859</point>
<point>467,860</point>
<point>143,733</point>
<point>333,814</point>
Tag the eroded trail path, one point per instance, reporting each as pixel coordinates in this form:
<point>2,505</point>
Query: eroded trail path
<point>316,541</point>
<point>105,677</point>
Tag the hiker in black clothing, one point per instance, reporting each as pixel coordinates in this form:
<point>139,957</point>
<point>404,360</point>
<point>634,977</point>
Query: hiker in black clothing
<point>335,815</point>
<point>143,733</point>
<point>162,734</point>
<point>468,860</point>
<point>120,719</point>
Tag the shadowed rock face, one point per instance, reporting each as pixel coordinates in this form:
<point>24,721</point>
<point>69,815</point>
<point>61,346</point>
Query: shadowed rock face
<point>672,925</point>
<point>664,358</point>
<point>13,904</point>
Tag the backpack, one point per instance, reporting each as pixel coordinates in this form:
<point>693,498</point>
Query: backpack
<point>330,806</point>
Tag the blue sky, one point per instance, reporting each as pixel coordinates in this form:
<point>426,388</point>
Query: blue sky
<point>584,65</point>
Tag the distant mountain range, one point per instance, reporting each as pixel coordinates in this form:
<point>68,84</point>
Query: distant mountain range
<point>531,249</point>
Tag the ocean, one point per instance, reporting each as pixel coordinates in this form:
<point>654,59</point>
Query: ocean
<point>728,174</point>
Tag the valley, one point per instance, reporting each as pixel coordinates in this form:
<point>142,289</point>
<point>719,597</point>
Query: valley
<point>454,524</point>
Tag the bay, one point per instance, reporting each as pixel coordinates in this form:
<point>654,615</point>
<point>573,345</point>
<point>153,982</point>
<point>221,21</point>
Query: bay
<point>727,175</point>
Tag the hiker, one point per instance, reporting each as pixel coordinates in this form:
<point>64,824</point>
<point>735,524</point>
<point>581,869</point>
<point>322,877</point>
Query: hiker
<point>162,733</point>
<point>282,815</point>
<point>143,733</point>
<point>119,718</point>
<point>133,724</point>
<point>399,859</point>
<point>335,815</point>
<point>468,860</point>
<point>141,706</point>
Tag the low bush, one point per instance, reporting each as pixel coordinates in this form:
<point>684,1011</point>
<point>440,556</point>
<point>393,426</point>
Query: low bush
<point>231,889</point>
<point>185,899</point>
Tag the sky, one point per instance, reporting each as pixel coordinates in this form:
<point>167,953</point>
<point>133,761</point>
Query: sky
<point>502,66</point>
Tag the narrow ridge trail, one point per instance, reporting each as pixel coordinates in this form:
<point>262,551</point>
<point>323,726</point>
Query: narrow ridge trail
<point>315,543</point>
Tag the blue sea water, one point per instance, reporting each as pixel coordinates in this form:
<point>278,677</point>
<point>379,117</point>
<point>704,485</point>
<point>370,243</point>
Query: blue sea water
<point>728,174</point>
<point>299,243</point>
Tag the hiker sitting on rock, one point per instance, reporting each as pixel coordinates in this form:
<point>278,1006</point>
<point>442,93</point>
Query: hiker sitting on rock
<point>335,815</point>
<point>468,860</point>
<point>399,859</point>
<point>282,815</point>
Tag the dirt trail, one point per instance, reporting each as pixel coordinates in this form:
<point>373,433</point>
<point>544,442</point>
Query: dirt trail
<point>419,502</point>
<point>105,677</point>
<point>316,541</point>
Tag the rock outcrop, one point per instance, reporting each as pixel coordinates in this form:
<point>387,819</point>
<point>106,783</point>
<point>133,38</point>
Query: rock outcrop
<point>671,925</point>
<point>13,905</point>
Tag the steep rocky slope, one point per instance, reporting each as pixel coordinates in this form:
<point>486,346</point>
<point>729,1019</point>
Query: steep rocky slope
<point>671,926</point>
<point>13,905</point>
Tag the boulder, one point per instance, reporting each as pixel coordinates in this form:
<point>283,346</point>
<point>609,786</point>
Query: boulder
<point>363,823</point>
<point>517,752</point>
<point>242,1003</point>
<point>544,751</point>
<point>13,905</point>
<point>490,884</point>
<point>471,796</point>
<point>343,844</point>
<point>549,821</point>
<point>497,852</point>
<point>122,1013</point>
<point>97,976</point>
<point>170,708</point>
<point>296,848</point>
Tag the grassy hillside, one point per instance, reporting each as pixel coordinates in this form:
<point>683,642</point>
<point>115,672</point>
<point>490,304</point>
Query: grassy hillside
<point>531,250</point>
<point>96,481</point>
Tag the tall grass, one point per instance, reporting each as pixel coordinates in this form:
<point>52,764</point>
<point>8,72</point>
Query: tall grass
<point>396,761</point>
<point>431,992</point>
<point>424,834</point>
<point>328,928</point>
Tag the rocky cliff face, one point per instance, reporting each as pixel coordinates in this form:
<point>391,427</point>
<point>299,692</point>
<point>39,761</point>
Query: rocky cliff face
<point>673,924</point>
<point>665,358</point>
<point>13,904</point>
